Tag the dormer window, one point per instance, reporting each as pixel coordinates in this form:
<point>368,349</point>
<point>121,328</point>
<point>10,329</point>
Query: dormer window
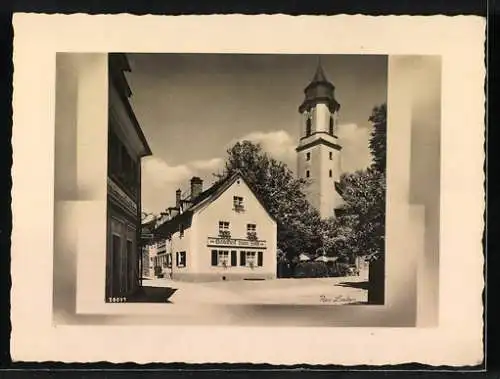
<point>238,204</point>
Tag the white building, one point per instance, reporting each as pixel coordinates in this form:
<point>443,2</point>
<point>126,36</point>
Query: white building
<point>318,151</point>
<point>222,233</point>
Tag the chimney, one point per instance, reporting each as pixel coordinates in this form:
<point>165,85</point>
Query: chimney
<point>178,198</point>
<point>196,187</point>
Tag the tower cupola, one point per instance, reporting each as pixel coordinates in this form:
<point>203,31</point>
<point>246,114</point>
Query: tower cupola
<point>319,91</point>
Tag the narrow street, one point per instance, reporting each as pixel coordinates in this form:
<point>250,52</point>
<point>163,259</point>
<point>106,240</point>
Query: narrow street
<point>308,291</point>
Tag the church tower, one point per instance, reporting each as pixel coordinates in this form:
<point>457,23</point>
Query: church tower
<point>318,151</point>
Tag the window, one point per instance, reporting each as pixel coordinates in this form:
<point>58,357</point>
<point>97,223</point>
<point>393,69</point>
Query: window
<point>331,125</point>
<point>224,229</point>
<point>238,203</point>
<point>308,156</point>
<point>330,154</point>
<point>114,151</point>
<point>121,167</point>
<point>223,258</point>
<point>330,173</point>
<point>181,259</point>
<point>308,126</point>
<point>251,231</point>
<point>250,259</point>
<point>307,174</point>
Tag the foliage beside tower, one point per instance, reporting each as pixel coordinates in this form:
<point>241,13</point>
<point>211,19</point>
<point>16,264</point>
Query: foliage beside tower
<point>360,228</point>
<point>281,193</point>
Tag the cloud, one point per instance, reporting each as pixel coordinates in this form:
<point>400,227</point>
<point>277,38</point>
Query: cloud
<point>162,172</point>
<point>210,164</point>
<point>355,153</point>
<point>160,180</point>
<point>279,144</point>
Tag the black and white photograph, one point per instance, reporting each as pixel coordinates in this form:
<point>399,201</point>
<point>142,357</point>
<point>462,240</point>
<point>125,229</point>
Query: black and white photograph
<point>265,182</point>
<point>249,178</point>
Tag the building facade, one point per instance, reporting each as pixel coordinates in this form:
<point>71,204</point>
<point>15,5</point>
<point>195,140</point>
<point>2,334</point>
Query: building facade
<point>126,146</point>
<point>319,150</point>
<point>222,233</point>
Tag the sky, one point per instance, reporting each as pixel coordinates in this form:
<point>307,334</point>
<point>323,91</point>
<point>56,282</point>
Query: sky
<point>193,107</point>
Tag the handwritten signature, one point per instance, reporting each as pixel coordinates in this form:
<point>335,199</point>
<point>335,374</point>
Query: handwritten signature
<point>336,299</point>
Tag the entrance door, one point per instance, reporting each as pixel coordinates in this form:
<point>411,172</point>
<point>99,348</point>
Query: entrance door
<point>117,262</point>
<point>130,266</point>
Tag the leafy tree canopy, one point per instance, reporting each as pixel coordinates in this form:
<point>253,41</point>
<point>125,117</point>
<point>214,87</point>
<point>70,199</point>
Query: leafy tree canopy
<point>378,140</point>
<point>360,229</point>
<point>299,226</point>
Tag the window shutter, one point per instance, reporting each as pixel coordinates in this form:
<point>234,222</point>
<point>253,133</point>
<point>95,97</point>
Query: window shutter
<point>177,259</point>
<point>242,258</point>
<point>234,258</point>
<point>259,258</point>
<point>214,258</point>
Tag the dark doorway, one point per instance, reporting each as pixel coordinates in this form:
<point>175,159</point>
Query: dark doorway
<point>116,270</point>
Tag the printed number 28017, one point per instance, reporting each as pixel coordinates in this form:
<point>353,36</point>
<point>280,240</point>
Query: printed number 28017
<point>117,299</point>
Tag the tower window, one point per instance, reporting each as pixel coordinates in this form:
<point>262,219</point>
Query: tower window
<point>308,156</point>
<point>307,174</point>
<point>331,125</point>
<point>330,154</point>
<point>308,127</point>
<point>330,173</point>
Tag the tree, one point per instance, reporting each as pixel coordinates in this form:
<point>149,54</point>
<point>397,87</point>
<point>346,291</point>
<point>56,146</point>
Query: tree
<point>378,140</point>
<point>299,226</point>
<point>360,230</point>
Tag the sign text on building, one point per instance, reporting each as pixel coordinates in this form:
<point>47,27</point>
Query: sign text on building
<point>232,242</point>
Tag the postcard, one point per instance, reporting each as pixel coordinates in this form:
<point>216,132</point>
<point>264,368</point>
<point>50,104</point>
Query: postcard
<point>252,182</point>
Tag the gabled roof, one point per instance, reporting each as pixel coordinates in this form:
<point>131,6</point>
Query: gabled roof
<point>205,198</point>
